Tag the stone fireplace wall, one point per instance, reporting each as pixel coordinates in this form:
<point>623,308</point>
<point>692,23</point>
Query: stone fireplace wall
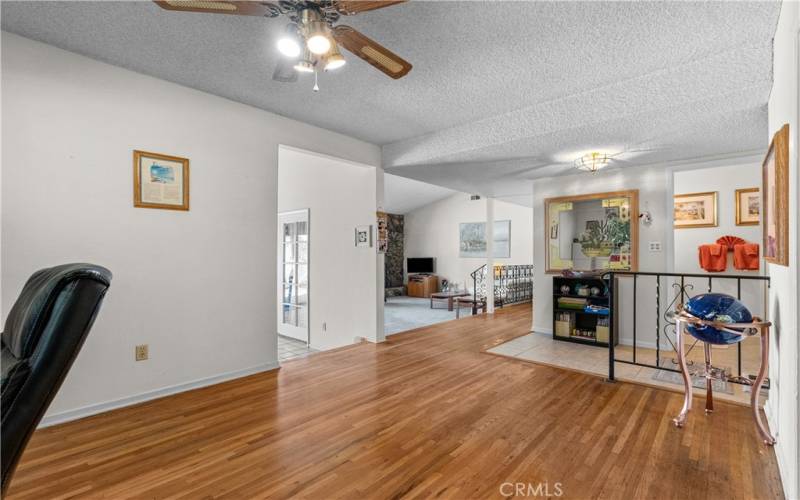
<point>395,253</point>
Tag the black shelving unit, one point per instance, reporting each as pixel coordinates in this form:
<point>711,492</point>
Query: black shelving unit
<point>579,320</point>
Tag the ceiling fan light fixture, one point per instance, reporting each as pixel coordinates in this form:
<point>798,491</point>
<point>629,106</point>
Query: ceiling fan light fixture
<point>289,44</point>
<point>318,40</point>
<point>334,59</point>
<point>304,66</point>
<point>334,62</point>
<point>592,162</point>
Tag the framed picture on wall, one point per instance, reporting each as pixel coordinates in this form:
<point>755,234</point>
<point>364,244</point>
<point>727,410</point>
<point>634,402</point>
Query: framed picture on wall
<point>748,206</point>
<point>695,210</point>
<point>775,206</point>
<point>160,181</point>
<point>472,239</point>
<point>363,236</point>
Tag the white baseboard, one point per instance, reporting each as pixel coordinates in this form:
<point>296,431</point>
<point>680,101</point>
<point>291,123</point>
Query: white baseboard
<point>86,411</point>
<point>787,475</point>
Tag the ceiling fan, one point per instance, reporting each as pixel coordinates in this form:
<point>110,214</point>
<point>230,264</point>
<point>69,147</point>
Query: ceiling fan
<point>310,41</point>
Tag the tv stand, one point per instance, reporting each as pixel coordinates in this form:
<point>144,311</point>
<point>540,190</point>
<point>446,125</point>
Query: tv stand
<point>422,285</point>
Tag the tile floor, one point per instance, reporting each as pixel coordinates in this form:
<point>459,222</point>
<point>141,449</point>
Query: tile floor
<point>541,348</point>
<point>292,349</point>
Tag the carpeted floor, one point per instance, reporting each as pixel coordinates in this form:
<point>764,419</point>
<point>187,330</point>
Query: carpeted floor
<point>406,313</point>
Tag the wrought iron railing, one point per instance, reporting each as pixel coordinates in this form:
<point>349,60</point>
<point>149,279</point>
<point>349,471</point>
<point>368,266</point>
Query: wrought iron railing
<point>512,283</point>
<point>670,290</point>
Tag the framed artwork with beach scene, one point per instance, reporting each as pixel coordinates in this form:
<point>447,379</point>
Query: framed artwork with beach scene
<point>695,210</point>
<point>160,181</point>
<point>775,206</point>
<point>748,206</point>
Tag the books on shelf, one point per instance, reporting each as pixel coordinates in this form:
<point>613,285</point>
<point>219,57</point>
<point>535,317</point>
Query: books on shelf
<point>571,303</point>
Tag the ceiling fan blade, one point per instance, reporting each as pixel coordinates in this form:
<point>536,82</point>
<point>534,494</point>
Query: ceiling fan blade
<point>242,8</point>
<point>351,7</point>
<point>284,71</point>
<point>371,51</point>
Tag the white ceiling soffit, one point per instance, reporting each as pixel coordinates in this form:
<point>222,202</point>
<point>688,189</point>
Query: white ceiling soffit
<point>402,195</point>
<point>493,83</point>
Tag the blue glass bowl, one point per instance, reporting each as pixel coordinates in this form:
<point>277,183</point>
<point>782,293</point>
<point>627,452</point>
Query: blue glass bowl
<point>718,307</point>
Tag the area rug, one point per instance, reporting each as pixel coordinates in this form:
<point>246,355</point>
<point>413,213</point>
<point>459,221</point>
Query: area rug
<point>405,313</point>
<point>698,381</point>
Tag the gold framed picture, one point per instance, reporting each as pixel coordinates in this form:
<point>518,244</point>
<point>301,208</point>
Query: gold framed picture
<point>748,206</point>
<point>775,207</point>
<point>160,181</point>
<point>608,241</point>
<point>695,210</point>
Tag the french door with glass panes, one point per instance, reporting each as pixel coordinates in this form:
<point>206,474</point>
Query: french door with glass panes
<point>293,274</point>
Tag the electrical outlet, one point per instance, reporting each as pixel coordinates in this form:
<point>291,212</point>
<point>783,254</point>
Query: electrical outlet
<point>655,246</point>
<point>142,352</point>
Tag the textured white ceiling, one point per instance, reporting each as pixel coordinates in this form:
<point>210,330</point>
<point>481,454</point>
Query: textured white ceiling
<point>500,91</point>
<point>402,195</point>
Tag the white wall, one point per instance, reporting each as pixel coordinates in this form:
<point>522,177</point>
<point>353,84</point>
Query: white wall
<point>725,180</point>
<point>339,195</point>
<point>653,184</point>
<point>432,231</point>
<point>782,407</point>
<point>197,286</point>
<point>679,248</point>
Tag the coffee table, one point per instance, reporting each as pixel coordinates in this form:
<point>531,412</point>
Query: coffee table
<point>449,296</point>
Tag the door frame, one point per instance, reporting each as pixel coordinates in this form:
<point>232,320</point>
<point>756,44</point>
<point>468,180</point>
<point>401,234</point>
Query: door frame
<point>299,214</point>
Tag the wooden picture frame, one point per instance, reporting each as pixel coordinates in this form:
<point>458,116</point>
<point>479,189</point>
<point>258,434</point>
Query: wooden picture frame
<point>165,185</point>
<point>629,213</point>
<point>687,214</point>
<point>744,209</point>
<point>775,199</point>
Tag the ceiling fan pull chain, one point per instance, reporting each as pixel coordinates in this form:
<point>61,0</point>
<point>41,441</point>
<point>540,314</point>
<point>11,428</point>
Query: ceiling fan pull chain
<point>316,87</point>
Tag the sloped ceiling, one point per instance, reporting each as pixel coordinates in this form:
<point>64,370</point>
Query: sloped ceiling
<point>500,93</point>
<point>402,195</point>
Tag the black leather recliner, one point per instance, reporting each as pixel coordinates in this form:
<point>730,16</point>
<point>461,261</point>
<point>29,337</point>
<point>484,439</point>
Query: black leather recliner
<point>44,331</point>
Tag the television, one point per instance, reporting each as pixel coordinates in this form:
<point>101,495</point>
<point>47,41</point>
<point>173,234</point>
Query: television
<point>421,265</point>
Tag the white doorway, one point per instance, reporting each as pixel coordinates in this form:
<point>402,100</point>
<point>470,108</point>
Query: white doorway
<point>293,282</point>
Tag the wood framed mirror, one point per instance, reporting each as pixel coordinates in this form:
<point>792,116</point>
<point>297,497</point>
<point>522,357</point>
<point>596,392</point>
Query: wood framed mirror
<point>592,232</point>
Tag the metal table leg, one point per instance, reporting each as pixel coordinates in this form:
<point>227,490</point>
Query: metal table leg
<point>680,420</point>
<point>756,388</point>
<point>709,378</point>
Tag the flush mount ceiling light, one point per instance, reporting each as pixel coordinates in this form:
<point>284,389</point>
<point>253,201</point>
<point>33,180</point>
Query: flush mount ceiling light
<point>311,35</point>
<point>592,162</point>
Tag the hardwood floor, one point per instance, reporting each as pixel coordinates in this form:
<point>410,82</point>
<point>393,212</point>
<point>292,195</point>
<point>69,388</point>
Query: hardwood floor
<point>426,414</point>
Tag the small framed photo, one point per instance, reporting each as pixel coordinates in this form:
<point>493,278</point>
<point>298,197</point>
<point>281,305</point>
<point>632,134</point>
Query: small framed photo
<point>363,236</point>
<point>695,210</point>
<point>160,181</point>
<point>748,206</point>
